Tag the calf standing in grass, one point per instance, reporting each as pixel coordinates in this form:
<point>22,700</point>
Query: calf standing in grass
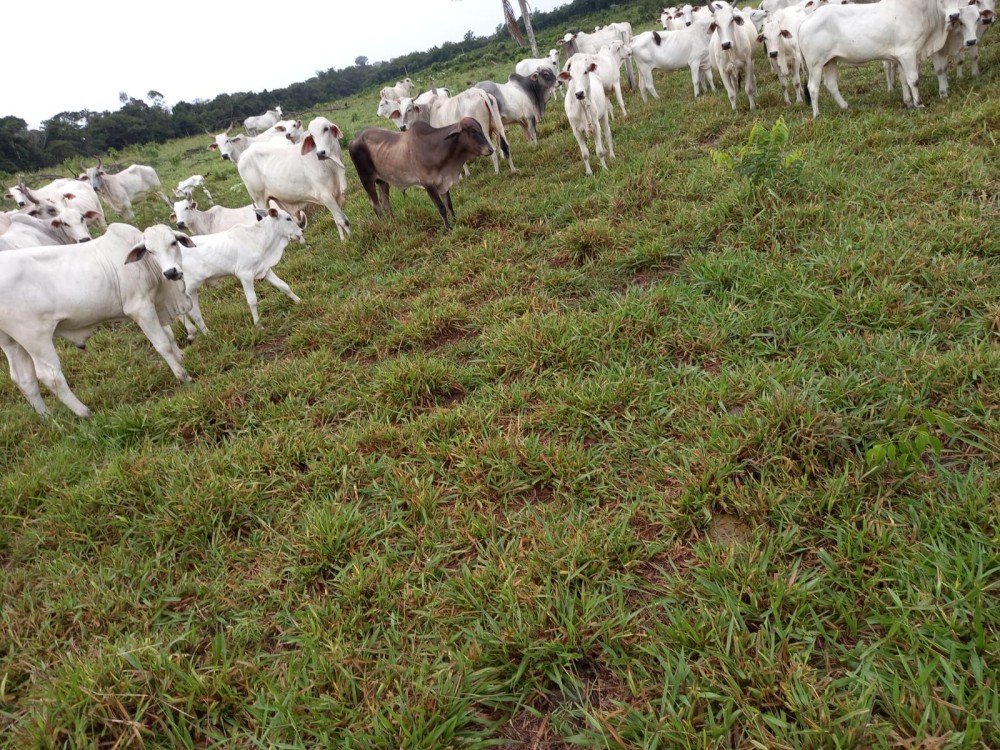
<point>587,109</point>
<point>421,155</point>
<point>248,252</point>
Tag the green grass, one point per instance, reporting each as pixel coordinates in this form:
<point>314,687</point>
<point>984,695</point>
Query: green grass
<point>588,471</point>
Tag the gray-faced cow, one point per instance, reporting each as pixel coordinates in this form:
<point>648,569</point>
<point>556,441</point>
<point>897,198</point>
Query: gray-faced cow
<point>421,155</point>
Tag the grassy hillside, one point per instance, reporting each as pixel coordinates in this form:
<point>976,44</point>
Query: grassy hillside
<point>661,458</point>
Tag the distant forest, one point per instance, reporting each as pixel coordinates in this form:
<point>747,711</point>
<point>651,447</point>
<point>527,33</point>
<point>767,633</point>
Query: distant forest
<point>69,135</point>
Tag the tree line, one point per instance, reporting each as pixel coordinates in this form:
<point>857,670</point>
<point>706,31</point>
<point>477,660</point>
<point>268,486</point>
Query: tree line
<point>69,135</point>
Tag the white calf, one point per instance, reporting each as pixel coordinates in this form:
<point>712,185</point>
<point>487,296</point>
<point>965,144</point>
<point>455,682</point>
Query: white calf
<point>731,52</point>
<point>587,110</point>
<point>248,252</point>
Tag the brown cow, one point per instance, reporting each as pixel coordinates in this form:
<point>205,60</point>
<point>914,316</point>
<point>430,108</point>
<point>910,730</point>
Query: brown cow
<point>422,155</point>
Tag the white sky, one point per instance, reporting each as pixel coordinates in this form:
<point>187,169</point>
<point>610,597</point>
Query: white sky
<point>83,54</point>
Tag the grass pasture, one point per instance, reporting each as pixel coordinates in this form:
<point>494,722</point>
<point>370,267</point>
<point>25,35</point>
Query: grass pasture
<point>657,459</point>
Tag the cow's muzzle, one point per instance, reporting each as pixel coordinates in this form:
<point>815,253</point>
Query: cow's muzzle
<point>773,54</point>
<point>84,239</point>
<point>173,274</point>
<point>687,23</point>
<point>226,157</point>
<point>727,45</point>
<point>182,225</point>
<point>402,128</point>
<point>970,43</point>
<point>580,95</point>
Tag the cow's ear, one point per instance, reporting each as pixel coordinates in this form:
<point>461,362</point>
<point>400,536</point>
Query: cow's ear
<point>136,253</point>
<point>183,239</point>
<point>194,204</point>
<point>712,27</point>
<point>396,114</point>
<point>213,147</point>
<point>592,67</point>
<point>56,223</point>
<point>272,212</point>
<point>91,215</point>
<point>279,128</point>
<point>760,38</point>
<point>738,19</point>
<point>69,196</point>
<point>564,76</point>
<point>173,218</point>
<point>337,132</point>
<point>308,145</point>
<point>786,33</point>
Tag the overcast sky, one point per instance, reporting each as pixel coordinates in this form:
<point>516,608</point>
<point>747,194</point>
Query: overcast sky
<point>73,56</point>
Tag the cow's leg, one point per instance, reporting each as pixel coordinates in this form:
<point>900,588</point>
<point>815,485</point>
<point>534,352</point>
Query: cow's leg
<point>581,141</point>
<point>442,209</point>
<point>909,74</point>
<point>49,371</point>
<point>731,89</point>
<point>783,80</point>
<point>383,197</point>
<point>621,102</point>
<point>22,372</point>
<point>695,68</point>
<point>797,78</point>
<point>599,140</point>
<point>145,315</point>
<point>250,293</point>
<point>815,74</point>
<point>646,82</point>
<point>830,80</point>
<point>339,217</point>
<point>974,53</point>
<point>208,194</point>
<point>750,86</point>
<point>940,60</point>
<point>532,130</point>
<point>272,278</point>
<point>890,74</point>
<point>707,76</point>
<point>607,135</point>
<point>193,318</point>
<point>447,203</point>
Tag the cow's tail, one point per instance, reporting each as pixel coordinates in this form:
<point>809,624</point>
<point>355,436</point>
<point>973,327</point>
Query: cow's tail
<point>496,124</point>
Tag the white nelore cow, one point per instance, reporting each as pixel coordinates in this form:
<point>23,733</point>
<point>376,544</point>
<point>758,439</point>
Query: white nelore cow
<point>66,227</point>
<point>259,123</point>
<point>387,106</point>
<point>963,33</point>
<point>46,291</point>
<point>529,65</point>
<point>231,148</point>
<point>121,190</point>
<point>248,252</point>
<point>440,112</point>
<point>395,93</point>
<point>587,110</point>
<point>185,188</point>
<point>731,51</point>
<point>783,51</point>
<point>609,61</point>
<point>581,41</point>
<point>189,217</point>
<point>675,50</point>
<point>66,191</point>
<point>295,176</point>
<point>897,31</point>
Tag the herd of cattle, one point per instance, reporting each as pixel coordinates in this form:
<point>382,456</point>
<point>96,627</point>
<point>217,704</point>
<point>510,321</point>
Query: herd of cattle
<point>153,276</point>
